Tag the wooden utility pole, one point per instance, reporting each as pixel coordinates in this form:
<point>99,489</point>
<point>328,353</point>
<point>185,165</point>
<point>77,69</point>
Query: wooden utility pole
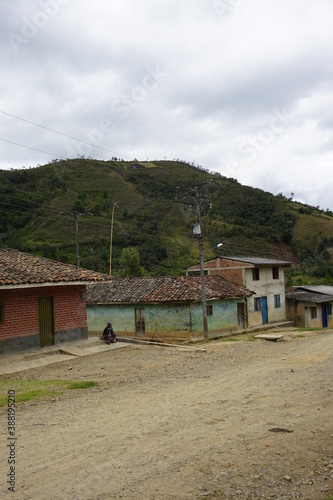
<point>111,236</point>
<point>76,216</point>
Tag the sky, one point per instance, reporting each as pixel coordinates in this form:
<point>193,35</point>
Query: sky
<point>239,87</point>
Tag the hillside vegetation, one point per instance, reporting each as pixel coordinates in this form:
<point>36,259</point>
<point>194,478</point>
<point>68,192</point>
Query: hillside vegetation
<point>154,209</point>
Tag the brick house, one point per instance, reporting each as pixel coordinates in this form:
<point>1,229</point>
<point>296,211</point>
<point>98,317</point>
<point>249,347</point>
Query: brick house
<point>167,307</point>
<point>42,302</point>
<point>264,277</point>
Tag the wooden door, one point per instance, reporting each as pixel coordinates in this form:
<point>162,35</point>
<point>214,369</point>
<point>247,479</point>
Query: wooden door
<point>140,322</point>
<point>241,315</point>
<point>46,321</point>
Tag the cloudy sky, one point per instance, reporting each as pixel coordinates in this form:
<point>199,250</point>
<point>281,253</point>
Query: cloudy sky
<point>240,87</point>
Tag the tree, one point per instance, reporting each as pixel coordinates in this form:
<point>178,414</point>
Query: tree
<point>129,263</point>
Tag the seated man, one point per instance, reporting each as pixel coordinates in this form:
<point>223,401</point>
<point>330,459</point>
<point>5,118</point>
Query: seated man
<point>108,334</point>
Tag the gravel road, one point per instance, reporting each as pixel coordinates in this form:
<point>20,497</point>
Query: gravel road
<point>245,419</point>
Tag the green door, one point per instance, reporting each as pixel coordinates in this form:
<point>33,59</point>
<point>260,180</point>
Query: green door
<point>46,321</point>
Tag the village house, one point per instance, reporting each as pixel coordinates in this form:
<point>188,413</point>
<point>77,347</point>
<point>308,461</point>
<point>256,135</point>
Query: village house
<point>264,277</point>
<point>166,307</point>
<point>42,302</point>
<point>310,306</point>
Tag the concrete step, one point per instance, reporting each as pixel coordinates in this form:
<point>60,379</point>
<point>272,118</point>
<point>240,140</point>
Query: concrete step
<point>13,363</point>
<point>269,336</point>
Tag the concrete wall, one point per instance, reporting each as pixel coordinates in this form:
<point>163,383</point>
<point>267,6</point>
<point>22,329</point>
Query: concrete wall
<point>180,320</point>
<point>19,328</point>
<point>300,313</point>
<point>241,273</point>
<point>266,286</point>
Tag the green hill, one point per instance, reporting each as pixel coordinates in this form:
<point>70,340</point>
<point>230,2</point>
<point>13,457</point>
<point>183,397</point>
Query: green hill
<point>38,208</point>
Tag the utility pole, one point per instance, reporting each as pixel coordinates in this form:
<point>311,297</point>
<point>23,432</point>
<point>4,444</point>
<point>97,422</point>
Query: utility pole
<point>76,216</point>
<point>197,231</point>
<point>202,273</point>
<point>111,235</point>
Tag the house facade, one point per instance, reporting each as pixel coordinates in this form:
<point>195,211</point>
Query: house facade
<point>166,307</point>
<point>42,302</point>
<point>264,277</point>
<point>310,306</point>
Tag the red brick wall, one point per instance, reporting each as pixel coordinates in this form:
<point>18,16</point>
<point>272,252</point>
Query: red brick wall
<point>20,309</point>
<point>233,275</point>
<point>295,312</point>
<point>231,270</point>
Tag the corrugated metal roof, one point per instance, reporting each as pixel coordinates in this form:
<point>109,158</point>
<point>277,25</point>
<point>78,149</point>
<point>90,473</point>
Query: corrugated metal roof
<point>19,268</point>
<point>253,261</point>
<point>163,289</point>
<point>324,289</point>
<point>259,261</point>
<point>305,296</point>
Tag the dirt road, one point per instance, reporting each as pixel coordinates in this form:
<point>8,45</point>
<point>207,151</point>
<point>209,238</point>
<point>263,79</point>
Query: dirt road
<point>242,420</point>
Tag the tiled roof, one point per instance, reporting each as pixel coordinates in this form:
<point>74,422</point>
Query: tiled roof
<point>163,289</point>
<point>18,268</point>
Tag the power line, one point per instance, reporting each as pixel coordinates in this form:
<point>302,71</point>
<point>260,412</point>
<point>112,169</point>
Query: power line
<point>61,133</point>
<point>30,147</point>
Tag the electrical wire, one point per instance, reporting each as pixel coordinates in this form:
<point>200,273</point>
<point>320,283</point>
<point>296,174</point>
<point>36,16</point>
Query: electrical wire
<point>61,133</point>
<point>30,147</point>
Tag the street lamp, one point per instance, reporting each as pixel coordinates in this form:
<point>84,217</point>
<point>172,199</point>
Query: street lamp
<point>197,231</point>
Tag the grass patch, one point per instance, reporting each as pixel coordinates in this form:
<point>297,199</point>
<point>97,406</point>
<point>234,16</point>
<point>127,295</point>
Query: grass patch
<point>27,390</point>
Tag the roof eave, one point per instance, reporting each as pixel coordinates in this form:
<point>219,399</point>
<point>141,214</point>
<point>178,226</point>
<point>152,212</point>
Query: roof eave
<point>44,285</point>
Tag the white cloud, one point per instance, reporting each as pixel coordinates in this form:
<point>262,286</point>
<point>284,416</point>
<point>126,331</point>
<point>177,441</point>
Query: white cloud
<point>197,80</point>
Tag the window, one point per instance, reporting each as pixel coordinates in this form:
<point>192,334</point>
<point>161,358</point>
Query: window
<point>1,314</point>
<point>329,309</point>
<point>257,305</point>
<point>209,310</point>
<point>277,301</point>
<point>275,273</point>
<point>313,311</point>
<point>255,274</point>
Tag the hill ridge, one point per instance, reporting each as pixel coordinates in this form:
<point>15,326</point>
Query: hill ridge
<point>36,203</point>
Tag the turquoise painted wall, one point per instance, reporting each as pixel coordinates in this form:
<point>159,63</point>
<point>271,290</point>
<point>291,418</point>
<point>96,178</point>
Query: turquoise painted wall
<point>122,317</point>
<point>163,318</point>
<point>224,315</point>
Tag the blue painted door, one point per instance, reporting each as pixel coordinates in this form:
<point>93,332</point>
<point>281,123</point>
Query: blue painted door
<point>324,315</point>
<point>264,310</point>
